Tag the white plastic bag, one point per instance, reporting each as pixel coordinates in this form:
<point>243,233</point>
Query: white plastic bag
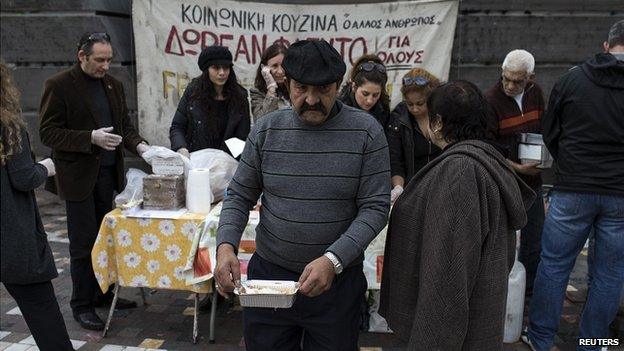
<point>161,151</point>
<point>376,323</point>
<point>133,190</point>
<point>222,167</point>
<point>200,261</point>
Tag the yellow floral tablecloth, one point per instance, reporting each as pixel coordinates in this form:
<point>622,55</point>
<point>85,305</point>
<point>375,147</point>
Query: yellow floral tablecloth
<point>145,252</point>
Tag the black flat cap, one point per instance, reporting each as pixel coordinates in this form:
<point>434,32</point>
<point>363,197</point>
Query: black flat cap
<point>214,55</point>
<point>313,62</point>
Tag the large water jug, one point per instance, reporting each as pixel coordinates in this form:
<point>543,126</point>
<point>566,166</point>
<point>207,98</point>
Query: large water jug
<point>515,300</point>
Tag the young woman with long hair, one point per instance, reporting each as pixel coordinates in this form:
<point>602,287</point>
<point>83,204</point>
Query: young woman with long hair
<point>27,265</point>
<point>214,106</point>
<point>366,88</point>
<point>269,92</point>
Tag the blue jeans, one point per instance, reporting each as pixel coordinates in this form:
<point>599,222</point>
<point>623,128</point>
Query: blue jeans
<point>567,227</point>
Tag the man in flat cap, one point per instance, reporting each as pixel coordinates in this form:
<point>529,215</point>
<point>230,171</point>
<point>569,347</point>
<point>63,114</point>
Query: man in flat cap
<point>324,174</point>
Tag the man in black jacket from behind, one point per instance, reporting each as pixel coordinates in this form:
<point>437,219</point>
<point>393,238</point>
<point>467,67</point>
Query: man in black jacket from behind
<point>583,129</point>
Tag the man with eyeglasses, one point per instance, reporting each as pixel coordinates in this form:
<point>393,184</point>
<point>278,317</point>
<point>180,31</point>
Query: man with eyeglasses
<point>84,120</point>
<point>518,103</point>
<point>323,171</point>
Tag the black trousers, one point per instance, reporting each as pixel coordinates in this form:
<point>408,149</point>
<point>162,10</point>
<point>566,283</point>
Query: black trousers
<point>83,223</point>
<point>531,239</point>
<point>330,321</point>
<point>40,309</point>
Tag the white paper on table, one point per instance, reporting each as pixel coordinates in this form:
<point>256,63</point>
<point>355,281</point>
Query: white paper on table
<point>235,145</point>
<point>143,213</point>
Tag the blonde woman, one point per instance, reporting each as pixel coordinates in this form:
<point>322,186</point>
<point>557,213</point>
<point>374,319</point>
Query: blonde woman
<point>409,142</point>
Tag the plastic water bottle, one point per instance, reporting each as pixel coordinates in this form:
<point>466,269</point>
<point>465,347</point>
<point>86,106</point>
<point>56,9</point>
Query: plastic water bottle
<point>515,299</point>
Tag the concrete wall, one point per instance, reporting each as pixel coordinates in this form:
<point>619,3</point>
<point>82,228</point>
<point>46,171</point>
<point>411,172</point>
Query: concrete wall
<point>40,38</point>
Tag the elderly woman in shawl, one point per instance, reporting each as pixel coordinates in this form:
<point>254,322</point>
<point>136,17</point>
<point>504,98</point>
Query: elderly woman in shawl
<point>451,239</point>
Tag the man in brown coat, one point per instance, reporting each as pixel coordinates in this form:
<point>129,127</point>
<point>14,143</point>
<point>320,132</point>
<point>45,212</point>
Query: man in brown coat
<point>84,119</point>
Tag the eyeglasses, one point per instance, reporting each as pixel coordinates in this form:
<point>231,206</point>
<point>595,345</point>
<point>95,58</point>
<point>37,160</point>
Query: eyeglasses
<point>419,81</point>
<point>95,37</point>
<point>369,66</point>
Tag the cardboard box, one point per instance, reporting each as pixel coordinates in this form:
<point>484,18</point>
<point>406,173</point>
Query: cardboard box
<point>163,192</point>
<point>532,149</point>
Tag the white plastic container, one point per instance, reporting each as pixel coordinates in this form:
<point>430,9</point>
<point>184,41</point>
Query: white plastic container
<point>515,300</point>
<point>532,149</point>
<point>267,293</point>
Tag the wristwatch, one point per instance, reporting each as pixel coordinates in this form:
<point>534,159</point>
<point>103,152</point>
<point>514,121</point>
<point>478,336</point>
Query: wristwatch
<point>335,261</point>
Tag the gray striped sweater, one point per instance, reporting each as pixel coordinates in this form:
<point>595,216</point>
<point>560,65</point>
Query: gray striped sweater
<point>324,188</point>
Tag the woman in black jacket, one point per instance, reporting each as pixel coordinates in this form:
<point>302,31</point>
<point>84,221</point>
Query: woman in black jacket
<point>408,133</point>
<point>366,88</point>
<point>214,107</point>
<point>27,265</point>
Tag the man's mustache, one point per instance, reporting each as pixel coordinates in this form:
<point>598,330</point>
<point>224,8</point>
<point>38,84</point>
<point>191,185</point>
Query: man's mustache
<point>316,107</point>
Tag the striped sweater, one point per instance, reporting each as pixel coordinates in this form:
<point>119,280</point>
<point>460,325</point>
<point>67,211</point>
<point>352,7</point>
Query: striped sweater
<point>512,120</point>
<point>324,188</point>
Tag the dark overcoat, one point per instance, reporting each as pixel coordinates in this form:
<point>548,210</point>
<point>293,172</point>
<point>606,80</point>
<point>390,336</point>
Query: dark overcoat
<point>449,250</point>
<point>26,255</point>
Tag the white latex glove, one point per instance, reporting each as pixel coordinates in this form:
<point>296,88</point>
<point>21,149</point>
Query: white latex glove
<point>268,77</point>
<point>49,165</point>
<point>395,193</point>
<point>141,148</point>
<point>184,152</point>
<point>105,139</point>
<point>258,205</point>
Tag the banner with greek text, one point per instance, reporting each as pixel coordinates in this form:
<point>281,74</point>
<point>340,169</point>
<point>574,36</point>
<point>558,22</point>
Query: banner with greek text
<point>169,36</point>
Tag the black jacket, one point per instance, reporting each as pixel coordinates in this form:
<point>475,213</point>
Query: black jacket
<point>584,127</point>
<point>381,113</point>
<point>190,124</point>
<point>26,255</point>
<point>410,150</point>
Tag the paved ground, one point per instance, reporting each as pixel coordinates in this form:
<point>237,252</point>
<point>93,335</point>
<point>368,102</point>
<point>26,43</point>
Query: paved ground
<point>166,321</point>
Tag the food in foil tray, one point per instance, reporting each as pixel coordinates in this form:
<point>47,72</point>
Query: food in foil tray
<point>267,293</point>
<point>267,287</point>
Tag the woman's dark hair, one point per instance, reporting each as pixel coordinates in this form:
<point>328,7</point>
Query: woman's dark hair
<point>360,77</point>
<point>463,110</point>
<point>270,52</point>
<point>205,92</point>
